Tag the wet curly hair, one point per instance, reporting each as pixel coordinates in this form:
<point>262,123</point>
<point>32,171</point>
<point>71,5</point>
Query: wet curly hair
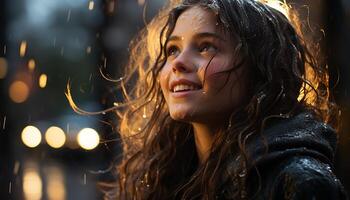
<point>159,157</point>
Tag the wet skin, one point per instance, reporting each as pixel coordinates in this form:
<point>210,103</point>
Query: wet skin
<point>193,87</point>
<point>196,44</point>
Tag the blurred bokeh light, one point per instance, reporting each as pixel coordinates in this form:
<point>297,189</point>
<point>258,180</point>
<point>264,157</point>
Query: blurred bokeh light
<point>88,138</point>
<point>42,80</point>
<point>19,91</point>
<point>32,184</point>
<point>55,184</point>
<point>31,136</point>
<point>55,137</point>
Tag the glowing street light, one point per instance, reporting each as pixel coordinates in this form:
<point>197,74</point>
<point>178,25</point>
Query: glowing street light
<point>31,136</point>
<point>55,137</point>
<point>88,138</point>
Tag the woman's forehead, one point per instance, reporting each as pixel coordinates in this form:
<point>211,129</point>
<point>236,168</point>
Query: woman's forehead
<point>196,19</point>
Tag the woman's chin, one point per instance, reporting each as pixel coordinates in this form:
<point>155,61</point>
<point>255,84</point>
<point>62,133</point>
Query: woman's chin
<point>182,116</point>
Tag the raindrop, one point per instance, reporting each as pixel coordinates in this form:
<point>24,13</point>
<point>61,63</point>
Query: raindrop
<point>62,51</point>
<point>85,179</point>
<point>10,187</point>
<point>88,50</point>
<point>242,174</point>
<point>54,42</point>
<point>229,125</point>
<point>5,49</point>
<point>68,15</point>
<point>67,128</point>
<point>105,62</point>
<point>23,48</point>
<point>90,77</point>
<point>16,168</point>
<point>144,113</point>
<point>4,123</point>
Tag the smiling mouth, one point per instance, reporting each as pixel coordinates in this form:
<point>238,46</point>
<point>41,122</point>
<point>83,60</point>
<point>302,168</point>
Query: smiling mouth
<point>185,88</point>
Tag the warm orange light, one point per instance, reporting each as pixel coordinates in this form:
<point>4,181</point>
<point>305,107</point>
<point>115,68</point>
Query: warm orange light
<point>19,91</point>
<point>31,136</point>
<point>23,48</point>
<point>91,5</point>
<point>3,67</point>
<point>32,184</point>
<point>55,137</point>
<point>42,80</point>
<point>31,64</point>
<point>88,138</point>
<point>55,184</point>
<point>279,5</point>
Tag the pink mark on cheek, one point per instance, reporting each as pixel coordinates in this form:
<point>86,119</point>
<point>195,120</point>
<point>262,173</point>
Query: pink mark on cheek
<point>217,74</point>
<point>215,70</point>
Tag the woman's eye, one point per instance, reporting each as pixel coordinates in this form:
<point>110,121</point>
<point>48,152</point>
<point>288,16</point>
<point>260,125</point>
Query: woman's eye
<point>207,47</point>
<point>172,50</point>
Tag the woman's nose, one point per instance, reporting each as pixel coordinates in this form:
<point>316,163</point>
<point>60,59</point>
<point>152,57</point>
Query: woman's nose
<point>183,63</point>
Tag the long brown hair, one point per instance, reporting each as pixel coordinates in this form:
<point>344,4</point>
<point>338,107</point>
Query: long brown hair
<point>159,156</point>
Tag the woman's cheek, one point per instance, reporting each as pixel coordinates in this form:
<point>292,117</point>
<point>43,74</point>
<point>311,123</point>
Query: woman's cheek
<point>216,74</point>
<point>164,79</point>
<point>216,66</point>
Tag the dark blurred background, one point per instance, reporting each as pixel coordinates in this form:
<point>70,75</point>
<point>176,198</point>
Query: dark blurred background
<point>47,151</point>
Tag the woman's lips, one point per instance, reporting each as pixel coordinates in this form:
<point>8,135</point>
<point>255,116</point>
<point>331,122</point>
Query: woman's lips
<point>183,94</point>
<point>187,82</point>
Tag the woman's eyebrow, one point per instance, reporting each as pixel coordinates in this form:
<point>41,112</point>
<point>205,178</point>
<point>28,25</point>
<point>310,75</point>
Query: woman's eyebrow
<point>198,36</point>
<point>210,35</point>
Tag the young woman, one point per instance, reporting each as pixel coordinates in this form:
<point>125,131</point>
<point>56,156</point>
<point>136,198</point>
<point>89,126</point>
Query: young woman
<point>224,101</point>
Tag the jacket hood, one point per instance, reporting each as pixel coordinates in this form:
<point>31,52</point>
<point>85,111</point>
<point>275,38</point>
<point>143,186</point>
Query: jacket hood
<point>302,134</point>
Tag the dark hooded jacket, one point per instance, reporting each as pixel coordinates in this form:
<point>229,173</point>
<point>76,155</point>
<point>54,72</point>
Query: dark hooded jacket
<point>293,160</point>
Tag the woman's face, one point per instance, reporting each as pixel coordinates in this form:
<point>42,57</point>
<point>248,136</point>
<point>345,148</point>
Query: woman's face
<point>191,82</point>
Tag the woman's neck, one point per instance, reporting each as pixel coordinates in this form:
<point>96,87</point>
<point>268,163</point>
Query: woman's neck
<point>204,137</point>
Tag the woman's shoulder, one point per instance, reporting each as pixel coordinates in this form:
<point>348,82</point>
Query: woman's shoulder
<point>300,177</point>
<point>297,163</point>
<point>293,159</point>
